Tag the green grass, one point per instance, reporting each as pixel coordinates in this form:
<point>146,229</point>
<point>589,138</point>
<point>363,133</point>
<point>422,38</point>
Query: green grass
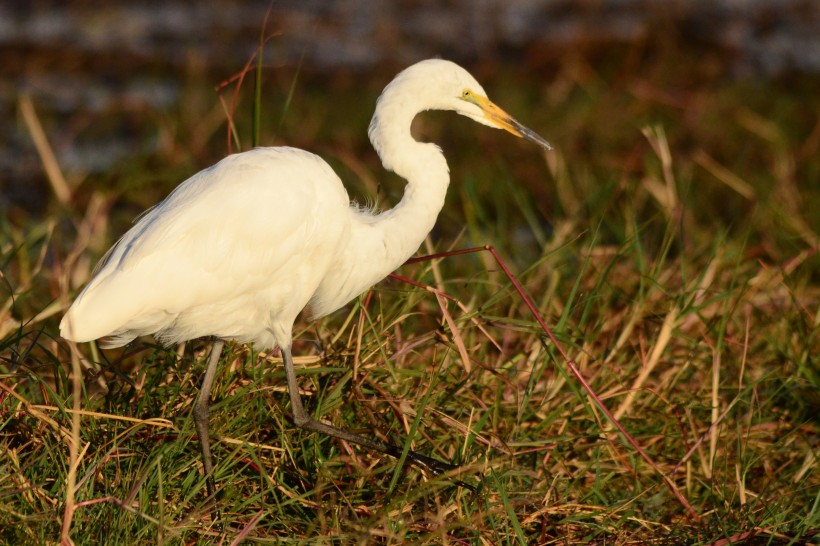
<point>669,241</point>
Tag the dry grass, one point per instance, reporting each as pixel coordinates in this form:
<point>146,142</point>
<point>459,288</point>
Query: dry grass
<point>671,248</point>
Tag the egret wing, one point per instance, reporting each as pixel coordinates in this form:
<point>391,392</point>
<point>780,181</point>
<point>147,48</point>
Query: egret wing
<point>223,234</point>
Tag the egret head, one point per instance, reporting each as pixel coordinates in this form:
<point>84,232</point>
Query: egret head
<point>447,86</point>
<point>433,84</point>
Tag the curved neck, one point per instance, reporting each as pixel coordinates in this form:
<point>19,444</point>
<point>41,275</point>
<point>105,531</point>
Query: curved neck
<point>403,228</point>
<point>378,244</point>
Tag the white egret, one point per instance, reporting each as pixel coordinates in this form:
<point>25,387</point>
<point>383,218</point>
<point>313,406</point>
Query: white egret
<point>238,250</point>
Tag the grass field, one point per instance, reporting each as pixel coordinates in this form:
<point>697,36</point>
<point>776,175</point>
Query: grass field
<point>670,243</point>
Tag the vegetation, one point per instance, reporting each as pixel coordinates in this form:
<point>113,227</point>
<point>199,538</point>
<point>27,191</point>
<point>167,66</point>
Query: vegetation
<point>670,243</point>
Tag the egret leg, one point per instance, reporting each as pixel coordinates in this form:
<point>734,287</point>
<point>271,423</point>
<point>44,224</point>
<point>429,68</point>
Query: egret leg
<point>305,421</point>
<point>200,413</point>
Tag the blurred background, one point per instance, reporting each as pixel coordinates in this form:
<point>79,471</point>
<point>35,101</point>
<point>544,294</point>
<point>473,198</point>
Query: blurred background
<point>113,82</point>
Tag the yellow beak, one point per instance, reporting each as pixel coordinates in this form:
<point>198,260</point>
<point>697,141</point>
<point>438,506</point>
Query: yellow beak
<point>503,120</point>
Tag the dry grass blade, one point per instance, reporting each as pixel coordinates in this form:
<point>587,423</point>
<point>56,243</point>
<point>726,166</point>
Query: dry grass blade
<point>457,339</point>
<point>75,454</point>
<point>47,157</point>
<point>724,175</point>
<point>665,334</point>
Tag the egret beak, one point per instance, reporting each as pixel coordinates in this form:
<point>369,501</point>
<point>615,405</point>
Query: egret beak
<point>503,120</point>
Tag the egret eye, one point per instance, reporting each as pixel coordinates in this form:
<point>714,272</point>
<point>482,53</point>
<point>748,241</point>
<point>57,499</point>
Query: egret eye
<point>466,94</point>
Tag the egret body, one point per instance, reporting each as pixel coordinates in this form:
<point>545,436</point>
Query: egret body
<point>238,250</point>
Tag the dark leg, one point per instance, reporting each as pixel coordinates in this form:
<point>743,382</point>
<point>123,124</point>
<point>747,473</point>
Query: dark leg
<point>201,416</point>
<point>305,421</point>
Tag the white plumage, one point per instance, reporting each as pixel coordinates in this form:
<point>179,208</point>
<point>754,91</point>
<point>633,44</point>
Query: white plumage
<point>232,252</point>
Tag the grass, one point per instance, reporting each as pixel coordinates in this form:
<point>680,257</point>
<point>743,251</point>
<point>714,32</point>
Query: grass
<point>669,241</point>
